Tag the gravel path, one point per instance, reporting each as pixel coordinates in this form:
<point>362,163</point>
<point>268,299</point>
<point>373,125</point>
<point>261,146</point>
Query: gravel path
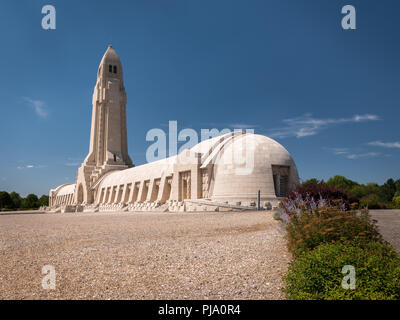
<point>389,225</point>
<point>143,256</point>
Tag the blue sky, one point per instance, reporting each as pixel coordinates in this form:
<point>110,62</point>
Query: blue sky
<point>285,68</point>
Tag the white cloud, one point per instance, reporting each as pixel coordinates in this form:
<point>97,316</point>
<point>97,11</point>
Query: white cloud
<point>385,144</point>
<point>352,154</point>
<point>365,117</point>
<point>339,151</point>
<point>38,106</point>
<point>306,125</point>
<point>31,166</point>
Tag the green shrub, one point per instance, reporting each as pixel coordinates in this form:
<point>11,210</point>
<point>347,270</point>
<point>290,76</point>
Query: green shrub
<point>396,202</point>
<point>310,229</point>
<point>318,275</point>
<point>371,201</point>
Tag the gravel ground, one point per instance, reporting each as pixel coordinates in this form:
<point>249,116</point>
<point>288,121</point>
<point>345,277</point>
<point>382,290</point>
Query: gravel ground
<point>143,255</point>
<point>389,225</point>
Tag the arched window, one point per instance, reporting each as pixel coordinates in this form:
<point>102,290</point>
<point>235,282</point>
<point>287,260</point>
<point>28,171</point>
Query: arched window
<point>115,69</point>
<point>115,158</point>
<point>110,68</point>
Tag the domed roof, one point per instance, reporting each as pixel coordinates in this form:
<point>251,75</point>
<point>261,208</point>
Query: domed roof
<point>65,189</point>
<point>240,164</point>
<point>246,165</point>
<point>251,145</point>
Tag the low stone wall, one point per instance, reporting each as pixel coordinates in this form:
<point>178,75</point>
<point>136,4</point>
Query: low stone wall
<point>208,205</point>
<point>188,205</point>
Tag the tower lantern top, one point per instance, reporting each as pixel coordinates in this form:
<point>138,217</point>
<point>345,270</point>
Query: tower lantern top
<point>110,54</point>
<point>111,64</point>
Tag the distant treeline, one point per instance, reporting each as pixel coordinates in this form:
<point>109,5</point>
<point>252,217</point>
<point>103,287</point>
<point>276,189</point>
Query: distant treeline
<point>13,201</point>
<point>371,195</point>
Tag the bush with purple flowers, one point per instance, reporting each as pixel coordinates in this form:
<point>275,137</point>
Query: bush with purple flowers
<point>310,229</point>
<point>325,232</point>
<point>315,196</point>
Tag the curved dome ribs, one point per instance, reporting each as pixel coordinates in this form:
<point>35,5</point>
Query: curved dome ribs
<point>216,148</point>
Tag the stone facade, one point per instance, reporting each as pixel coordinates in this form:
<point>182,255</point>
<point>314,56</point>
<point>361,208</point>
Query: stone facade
<point>222,173</point>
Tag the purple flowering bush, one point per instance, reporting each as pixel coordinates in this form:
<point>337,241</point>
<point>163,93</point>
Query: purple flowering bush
<point>324,233</point>
<point>316,214</point>
<point>328,224</point>
<point>315,196</point>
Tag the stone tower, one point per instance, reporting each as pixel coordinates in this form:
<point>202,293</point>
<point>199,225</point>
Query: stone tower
<point>108,149</point>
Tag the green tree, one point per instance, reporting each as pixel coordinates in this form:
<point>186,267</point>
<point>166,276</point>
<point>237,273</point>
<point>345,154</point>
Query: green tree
<point>341,182</point>
<point>44,201</point>
<point>16,199</point>
<point>5,200</point>
<point>311,182</point>
<point>388,190</point>
<point>397,183</point>
<point>30,202</point>
<point>359,191</point>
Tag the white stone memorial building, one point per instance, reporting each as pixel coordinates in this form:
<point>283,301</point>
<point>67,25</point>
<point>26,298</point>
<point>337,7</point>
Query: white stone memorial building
<point>222,173</point>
